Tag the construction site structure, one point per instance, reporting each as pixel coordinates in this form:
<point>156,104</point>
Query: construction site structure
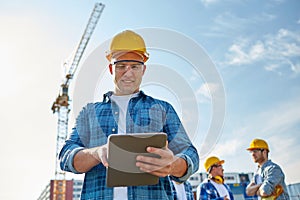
<point>61,105</point>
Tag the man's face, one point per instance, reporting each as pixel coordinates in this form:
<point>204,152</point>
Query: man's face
<point>257,155</point>
<point>217,170</point>
<point>127,70</point>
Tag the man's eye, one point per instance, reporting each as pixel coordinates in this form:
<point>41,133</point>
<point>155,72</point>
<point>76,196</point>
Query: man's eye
<point>120,66</point>
<point>135,66</point>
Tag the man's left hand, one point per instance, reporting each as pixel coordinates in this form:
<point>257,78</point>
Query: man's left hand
<point>162,166</point>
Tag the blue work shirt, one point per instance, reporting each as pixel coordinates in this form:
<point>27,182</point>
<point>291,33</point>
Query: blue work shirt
<point>145,114</point>
<point>207,191</point>
<point>272,175</point>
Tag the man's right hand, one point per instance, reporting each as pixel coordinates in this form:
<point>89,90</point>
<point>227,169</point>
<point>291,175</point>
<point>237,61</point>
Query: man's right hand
<point>252,189</point>
<point>101,154</point>
<point>86,159</point>
<point>226,197</point>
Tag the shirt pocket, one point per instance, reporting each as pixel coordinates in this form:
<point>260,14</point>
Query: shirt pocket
<point>150,119</point>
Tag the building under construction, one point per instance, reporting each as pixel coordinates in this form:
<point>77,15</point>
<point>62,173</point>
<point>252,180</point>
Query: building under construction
<point>62,190</point>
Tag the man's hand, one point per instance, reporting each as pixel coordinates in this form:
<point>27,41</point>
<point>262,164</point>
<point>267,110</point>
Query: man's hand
<point>86,159</point>
<point>101,154</point>
<point>226,197</point>
<point>167,164</point>
<point>252,189</point>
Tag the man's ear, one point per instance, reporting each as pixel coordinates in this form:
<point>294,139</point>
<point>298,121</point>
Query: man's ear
<point>110,69</point>
<point>144,69</point>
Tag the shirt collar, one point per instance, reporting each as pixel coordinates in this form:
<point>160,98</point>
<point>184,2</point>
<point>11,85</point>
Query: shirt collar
<point>107,96</point>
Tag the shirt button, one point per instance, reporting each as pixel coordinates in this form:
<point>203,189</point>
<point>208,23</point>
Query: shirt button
<point>113,129</point>
<point>116,113</point>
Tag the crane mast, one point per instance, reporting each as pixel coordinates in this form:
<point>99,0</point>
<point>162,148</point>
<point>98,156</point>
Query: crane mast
<point>61,104</point>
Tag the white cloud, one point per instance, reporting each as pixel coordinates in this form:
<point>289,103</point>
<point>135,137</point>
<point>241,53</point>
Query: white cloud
<point>240,56</point>
<point>227,148</point>
<point>295,67</point>
<point>273,67</point>
<point>282,48</point>
<point>257,51</point>
<point>242,53</point>
<point>206,90</point>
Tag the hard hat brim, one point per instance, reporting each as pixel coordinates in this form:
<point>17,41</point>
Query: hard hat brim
<point>252,148</point>
<point>111,54</point>
<point>221,162</point>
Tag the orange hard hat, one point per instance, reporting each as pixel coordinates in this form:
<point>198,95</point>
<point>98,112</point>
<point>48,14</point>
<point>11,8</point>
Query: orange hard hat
<point>127,41</point>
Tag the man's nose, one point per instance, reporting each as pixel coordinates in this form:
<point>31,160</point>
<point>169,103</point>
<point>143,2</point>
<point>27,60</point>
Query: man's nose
<point>127,68</point>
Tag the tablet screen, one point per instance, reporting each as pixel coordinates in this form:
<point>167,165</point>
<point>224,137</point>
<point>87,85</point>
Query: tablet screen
<point>122,153</point>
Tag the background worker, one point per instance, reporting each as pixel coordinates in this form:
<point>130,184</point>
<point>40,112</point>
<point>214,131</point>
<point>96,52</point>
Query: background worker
<point>268,180</point>
<point>128,110</point>
<point>214,187</point>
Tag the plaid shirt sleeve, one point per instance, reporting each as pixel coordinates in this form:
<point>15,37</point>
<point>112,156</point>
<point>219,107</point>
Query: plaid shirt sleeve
<point>180,143</point>
<point>273,175</point>
<point>67,153</point>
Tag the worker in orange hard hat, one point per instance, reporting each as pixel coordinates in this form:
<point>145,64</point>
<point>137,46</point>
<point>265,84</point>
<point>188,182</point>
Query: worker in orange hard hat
<point>214,187</point>
<point>268,181</point>
<point>127,49</point>
<point>128,110</point>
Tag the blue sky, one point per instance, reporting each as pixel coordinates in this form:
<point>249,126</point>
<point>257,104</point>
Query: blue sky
<point>254,45</point>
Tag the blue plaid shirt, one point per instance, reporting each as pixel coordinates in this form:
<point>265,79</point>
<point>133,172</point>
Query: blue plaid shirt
<point>207,191</point>
<point>145,114</point>
<point>272,175</point>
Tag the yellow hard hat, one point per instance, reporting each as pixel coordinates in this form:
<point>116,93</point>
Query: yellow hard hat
<point>128,41</point>
<point>213,160</point>
<point>258,144</point>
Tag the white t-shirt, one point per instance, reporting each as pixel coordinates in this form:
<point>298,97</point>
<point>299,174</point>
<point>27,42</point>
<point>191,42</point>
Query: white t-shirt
<point>258,178</point>
<point>180,190</point>
<point>222,190</point>
<point>120,193</point>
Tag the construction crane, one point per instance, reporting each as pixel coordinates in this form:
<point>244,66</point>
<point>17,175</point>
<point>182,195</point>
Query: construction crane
<point>61,104</point>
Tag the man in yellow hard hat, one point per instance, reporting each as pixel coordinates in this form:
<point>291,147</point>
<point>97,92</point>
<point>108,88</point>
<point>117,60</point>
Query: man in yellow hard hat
<point>127,109</point>
<point>214,187</point>
<point>268,181</point>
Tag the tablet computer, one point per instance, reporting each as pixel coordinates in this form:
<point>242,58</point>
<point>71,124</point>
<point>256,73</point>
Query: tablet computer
<point>122,153</point>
